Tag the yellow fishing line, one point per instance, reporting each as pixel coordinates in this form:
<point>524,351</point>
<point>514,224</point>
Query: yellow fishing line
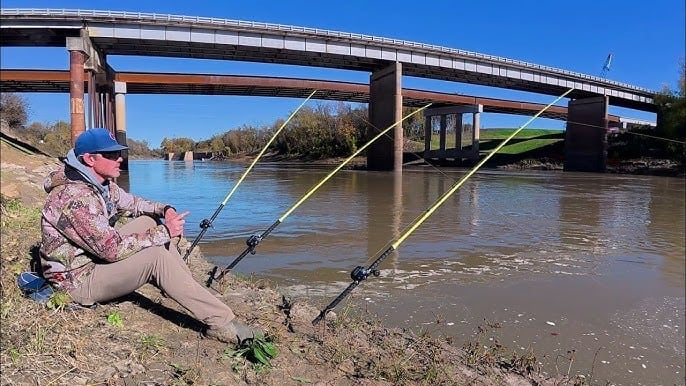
<point>245,173</point>
<point>308,194</point>
<point>253,241</point>
<point>360,273</point>
<point>660,138</point>
<point>452,190</point>
<point>204,224</point>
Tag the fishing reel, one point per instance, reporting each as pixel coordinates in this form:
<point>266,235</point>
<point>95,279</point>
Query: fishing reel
<point>211,277</point>
<point>205,223</point>
<point>252,242</point>
<point>360,273</point>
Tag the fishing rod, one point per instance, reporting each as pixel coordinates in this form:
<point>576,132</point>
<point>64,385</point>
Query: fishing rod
<point>254,240</point>
<point>205,223</point>
<point>360,273</point>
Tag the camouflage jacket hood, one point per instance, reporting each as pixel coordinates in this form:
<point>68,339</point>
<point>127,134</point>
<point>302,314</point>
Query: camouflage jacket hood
<point>76,231</point>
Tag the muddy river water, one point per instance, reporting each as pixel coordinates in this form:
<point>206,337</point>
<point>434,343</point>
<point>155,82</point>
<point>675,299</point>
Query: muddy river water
<point>586,270</point>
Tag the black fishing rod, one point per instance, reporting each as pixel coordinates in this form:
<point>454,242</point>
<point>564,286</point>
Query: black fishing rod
<point>254,240</point>
<point>205,223</point>
<point>360,273</point>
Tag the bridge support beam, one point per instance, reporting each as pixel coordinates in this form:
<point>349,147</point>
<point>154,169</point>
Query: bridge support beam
<point>452,116</point>
<point>586,135</point>
<point>120,119</point>
<point>385,109</point>
<point>77,116</point>
<point>100,108</point>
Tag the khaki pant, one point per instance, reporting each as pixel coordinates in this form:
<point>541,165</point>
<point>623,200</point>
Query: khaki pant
<point>157,265</point>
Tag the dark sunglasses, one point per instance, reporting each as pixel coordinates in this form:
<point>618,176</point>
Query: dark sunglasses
<point>110,155</point>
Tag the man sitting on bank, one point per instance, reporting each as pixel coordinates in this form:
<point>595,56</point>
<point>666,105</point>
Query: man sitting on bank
<point>85,255</point>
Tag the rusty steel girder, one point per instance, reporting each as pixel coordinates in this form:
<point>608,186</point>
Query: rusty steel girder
<point>208,84</point>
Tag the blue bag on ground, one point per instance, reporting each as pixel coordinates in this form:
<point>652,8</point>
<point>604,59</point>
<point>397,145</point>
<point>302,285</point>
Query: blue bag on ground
<point>35,287</point>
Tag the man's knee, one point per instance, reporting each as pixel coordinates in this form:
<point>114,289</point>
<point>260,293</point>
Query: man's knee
<point>156,252</point>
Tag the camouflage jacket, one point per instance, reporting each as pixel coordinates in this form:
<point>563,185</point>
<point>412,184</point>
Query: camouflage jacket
<point>76,232</point>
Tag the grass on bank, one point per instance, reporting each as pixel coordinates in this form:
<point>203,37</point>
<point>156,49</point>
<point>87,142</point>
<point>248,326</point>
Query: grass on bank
<point>500,134</point>
<point>22,220</point>
<point>525,141</point>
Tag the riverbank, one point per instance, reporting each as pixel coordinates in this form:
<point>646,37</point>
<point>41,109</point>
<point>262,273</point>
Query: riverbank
<point>639,166</point>
<point>542,159</point>
<point>147,339</point>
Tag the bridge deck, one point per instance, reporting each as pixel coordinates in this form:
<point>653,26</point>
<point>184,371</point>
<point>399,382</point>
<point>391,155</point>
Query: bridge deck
<point>147,34</point>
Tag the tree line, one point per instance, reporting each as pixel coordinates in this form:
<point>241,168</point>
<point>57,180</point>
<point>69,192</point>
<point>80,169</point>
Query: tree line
<point>671,105</point>
<point>323,131</point>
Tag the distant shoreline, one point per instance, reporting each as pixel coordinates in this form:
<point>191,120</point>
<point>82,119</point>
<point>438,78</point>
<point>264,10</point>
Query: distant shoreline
<point>637,166</point>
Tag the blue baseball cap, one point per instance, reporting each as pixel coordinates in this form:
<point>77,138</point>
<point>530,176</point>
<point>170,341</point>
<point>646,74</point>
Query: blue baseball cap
<point>95,140</point>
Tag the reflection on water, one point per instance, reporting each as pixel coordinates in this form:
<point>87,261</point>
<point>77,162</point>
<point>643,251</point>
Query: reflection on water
<point>564,261</point>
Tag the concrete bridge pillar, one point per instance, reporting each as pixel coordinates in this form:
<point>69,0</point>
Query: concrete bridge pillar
<point>442,131</point>
<point>586,135</point>
<point>100,109</point>
<point>102,103</point>
<point>385,109</point>
<point>120,119</point>
<point>108,97</point>
<point>476,127</point>
<point>458,131</point>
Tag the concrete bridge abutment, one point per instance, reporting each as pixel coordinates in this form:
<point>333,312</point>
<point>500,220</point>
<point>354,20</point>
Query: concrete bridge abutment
<point>385,110</point>
<point>120,119</point>
<point>586,135</point>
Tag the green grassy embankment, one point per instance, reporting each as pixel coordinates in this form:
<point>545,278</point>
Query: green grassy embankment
<point>527,140</point>
<point>529,146</point>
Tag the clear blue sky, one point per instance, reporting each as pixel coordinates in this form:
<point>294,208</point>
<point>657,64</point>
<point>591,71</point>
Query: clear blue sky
<point>646,38</point>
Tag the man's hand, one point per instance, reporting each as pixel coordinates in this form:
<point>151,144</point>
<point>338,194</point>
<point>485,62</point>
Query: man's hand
<point>170,211</point>
<point>175,222</point>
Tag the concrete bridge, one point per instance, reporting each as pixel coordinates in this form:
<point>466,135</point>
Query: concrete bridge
<point>90,36</point>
